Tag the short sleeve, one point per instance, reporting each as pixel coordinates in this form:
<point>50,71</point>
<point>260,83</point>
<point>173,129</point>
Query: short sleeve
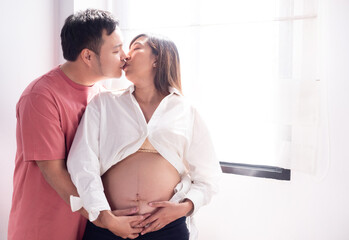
<point>40,128</point>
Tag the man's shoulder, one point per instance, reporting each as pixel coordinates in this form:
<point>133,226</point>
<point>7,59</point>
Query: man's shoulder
<point>44,84</point>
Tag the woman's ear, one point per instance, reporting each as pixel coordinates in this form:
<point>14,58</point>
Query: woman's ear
<point>154,59</point>
<point>155,63</point>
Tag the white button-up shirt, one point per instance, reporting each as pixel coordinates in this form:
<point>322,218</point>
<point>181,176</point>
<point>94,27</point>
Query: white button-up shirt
<point>113,127</point>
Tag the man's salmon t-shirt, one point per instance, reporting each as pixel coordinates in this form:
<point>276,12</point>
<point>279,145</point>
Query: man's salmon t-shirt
<point>48,113</point>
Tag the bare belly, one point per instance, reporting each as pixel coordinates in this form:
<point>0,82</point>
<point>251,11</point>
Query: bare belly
<point>139,179</point>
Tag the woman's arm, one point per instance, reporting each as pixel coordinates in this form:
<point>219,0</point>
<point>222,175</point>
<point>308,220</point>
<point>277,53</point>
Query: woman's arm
<point>204,168</point>
<point>83,162</point>
<point>84,167</point>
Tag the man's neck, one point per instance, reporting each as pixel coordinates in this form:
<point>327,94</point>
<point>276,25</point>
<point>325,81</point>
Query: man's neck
<point>79,74</point>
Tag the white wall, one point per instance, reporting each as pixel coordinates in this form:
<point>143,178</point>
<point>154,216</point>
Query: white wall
<point>308,207</point>
<point>29,47</point>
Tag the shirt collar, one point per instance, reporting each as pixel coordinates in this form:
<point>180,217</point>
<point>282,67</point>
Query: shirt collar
<point>130,88</point>
<point>172,90</point>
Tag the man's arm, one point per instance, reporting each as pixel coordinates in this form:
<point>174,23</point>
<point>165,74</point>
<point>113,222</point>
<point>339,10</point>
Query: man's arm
<point>56,174</point>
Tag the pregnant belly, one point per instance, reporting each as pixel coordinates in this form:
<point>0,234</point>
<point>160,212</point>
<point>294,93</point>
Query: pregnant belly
<point>139,179</point>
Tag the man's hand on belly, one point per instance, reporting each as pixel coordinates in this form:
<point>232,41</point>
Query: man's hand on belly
<point>126,212</point>
<point>130,212</point>
<point>122,226</point>
<point>166,213</point>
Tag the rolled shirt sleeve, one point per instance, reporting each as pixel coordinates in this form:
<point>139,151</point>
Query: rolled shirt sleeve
<point>84,165</point>
<point>204,168</point>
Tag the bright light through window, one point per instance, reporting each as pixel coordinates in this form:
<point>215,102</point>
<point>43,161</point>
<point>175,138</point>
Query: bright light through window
<point>235,55</point>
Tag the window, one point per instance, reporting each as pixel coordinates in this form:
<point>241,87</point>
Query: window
<point>251,69</point>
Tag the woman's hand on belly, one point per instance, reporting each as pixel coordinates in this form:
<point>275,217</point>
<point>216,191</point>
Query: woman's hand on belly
<point>166,213</point>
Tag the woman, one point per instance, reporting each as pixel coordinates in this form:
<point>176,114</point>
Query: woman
<point>140,144</point>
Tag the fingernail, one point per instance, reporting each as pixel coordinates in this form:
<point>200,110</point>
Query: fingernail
<point>150,204</point>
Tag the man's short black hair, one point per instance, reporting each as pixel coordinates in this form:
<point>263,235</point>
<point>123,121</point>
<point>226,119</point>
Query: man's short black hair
<point>84,29</point>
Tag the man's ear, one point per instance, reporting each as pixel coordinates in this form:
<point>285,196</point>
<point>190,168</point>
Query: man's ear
<point>86,56</point>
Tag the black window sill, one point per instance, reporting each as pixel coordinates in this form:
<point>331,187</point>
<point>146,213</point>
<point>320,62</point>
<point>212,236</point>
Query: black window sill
<point>256,171</point>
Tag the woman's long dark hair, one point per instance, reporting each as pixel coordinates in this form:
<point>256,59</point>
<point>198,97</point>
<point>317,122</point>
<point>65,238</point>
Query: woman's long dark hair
<point>167,69</point>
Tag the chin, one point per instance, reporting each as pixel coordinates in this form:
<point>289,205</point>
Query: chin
<point>117,75</point>
<point>128,75</point>
<point>128,78</point>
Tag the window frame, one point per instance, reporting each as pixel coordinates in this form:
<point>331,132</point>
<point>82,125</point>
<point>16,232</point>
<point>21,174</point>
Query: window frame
<point>261,171</point>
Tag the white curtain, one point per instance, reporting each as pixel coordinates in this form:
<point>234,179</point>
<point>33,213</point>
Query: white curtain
<point>298,86</point>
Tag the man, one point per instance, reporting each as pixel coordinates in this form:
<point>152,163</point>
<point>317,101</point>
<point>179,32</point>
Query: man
<point>48,113</point>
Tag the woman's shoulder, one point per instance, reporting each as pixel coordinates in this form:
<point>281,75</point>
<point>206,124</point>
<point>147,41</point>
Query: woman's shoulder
<point>186,102</point>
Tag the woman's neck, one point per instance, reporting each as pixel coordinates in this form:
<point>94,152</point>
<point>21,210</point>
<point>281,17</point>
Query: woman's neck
<point>148,99</point>
<point>148,95</point>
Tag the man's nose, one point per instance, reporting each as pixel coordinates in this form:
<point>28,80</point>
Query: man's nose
<point>123,56</point>
<point>127,57</point>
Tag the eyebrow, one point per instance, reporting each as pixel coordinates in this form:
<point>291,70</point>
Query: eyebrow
<point>139,43</point>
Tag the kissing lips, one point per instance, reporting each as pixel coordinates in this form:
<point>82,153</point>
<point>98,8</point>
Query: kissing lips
<point>125,66</point>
